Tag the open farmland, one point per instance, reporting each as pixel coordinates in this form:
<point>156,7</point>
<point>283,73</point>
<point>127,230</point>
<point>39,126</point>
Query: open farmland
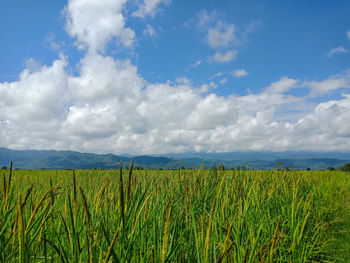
<point>198,215</point>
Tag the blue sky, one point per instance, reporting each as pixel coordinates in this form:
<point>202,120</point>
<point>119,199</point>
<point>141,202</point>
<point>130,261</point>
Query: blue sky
<point>289,38</point>
<point>187,76</point>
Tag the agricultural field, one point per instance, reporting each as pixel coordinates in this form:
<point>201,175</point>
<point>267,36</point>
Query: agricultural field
<point>197,215</point>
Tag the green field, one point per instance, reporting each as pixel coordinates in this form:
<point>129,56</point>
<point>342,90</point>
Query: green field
<point>174,216</point>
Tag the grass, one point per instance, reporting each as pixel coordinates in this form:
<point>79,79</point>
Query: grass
<point>174,216</point>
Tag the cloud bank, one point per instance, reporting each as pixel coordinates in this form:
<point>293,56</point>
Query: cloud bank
<point>109,107</point>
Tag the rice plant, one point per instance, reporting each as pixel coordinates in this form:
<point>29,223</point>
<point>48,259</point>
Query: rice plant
<point>200,215</point>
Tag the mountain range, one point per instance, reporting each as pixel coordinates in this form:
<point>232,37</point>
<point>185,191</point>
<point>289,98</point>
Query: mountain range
<point>50,159</point>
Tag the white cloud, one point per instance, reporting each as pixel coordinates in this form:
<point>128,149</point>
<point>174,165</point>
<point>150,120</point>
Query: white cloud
<point>34,107</point>
<point>348,34</point>
<point>224,57</point>
<point>328,124</point>
<point>285,84</point>
<point>94,23</point>
<point>333,83</point>
<point>222,35</point>
<point>149,7</point>
<point>149,31</point>
<point>107,107</point>
<point>337,50</point>
<point>239,73</point>
<point>225,38</point>
<point>102,77</point>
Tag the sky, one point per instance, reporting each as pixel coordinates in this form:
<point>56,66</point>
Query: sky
<point>173,76</point>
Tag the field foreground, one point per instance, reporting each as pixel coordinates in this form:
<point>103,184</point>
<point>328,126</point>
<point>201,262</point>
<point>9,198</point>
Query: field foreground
<point>174,216</point>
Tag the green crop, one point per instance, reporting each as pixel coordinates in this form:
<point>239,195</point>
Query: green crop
<point>198,215</point>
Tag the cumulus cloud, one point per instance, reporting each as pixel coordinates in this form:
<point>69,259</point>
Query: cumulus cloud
<point>333,133</point>
<point>149,7</point>
<point>222,35</point>
<point>95,23</point>
<point>337,50</point>
<point>35,106</point>
<point>239,73</point>
<point>223,57</point>
<point>108,107</point>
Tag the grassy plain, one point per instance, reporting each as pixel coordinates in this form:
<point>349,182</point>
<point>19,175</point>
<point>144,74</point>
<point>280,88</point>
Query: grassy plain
<point>174,216</point>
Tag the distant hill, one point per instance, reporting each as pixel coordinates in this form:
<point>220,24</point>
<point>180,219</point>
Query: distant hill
<point>49,159</point>
<point>261,156</point>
